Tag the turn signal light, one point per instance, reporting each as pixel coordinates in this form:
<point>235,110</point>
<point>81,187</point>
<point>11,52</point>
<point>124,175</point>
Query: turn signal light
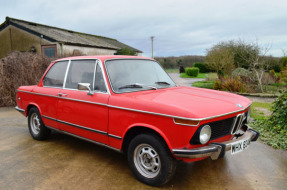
<point>186,121</point>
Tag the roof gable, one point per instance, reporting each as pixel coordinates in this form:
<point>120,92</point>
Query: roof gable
<point>55,34</point>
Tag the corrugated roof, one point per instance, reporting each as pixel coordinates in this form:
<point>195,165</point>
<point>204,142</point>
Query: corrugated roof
<point>67,36</point>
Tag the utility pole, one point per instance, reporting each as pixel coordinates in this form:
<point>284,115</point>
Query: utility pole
<point>152,37</point>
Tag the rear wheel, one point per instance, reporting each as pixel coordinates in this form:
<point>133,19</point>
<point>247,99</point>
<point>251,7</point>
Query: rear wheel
<point>36,127</point>
<point>150,160</point>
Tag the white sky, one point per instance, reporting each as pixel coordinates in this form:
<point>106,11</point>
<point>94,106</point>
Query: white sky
<point>180,27</point>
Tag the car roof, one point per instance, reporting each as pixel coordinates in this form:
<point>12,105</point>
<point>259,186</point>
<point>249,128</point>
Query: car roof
<point>103,57</point>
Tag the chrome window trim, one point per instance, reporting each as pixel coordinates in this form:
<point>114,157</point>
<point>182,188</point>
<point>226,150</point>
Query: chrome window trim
<point>83,138</point>
<point>94,77</point>
<point>98,92</point>
<point>68,68</point>
<point>97,61</point>
<point>132,59</point>
<point>64,76</point>
<point>147,112</point>
<point>104,76</point>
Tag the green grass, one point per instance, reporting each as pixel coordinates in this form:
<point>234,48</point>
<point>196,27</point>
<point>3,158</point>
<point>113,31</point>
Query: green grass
<point>172,70</point>
<point>256,110</point>
<point>199,76</point>
<point>204,84</point>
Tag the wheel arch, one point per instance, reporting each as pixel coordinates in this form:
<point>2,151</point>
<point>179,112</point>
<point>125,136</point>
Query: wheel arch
<point>31,105</point>
<point>140,129</point>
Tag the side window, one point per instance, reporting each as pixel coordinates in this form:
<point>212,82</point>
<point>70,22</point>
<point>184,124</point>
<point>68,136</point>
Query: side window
<point>99,80</point>
<point>80,71</point>
<point>56,74</point>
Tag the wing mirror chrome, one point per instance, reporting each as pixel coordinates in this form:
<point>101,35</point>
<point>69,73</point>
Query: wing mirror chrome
<point>85,86</point>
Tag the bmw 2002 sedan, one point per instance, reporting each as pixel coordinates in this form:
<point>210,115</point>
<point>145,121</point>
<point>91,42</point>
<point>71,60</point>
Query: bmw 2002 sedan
<point>131,105</point>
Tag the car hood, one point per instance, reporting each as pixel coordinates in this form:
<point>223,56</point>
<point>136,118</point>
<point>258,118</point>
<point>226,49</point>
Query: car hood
<point>187,102</point>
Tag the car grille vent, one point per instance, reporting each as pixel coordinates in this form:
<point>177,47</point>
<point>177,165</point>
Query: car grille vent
<point>221,128</point>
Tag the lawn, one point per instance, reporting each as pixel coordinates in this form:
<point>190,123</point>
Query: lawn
<point>260,110</point>
<point>204,84</point>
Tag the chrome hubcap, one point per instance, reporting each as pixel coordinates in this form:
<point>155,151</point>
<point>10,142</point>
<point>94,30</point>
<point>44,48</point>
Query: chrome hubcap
<point>35,123</point>
<point>147,160</point>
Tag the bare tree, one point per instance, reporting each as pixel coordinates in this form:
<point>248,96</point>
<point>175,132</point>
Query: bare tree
<point>220,58</point>
<point>256,60</point>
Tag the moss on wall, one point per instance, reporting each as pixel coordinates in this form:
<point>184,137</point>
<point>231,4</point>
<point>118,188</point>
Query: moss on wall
<point>21,41</point>
<point>4,43</point>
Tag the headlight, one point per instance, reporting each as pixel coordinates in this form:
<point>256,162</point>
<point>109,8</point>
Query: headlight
<point>205,134</point>
<point>248,115</point>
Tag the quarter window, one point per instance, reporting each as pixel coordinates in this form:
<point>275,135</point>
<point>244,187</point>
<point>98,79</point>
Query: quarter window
<point>80,71</point>
<point>55,76</point>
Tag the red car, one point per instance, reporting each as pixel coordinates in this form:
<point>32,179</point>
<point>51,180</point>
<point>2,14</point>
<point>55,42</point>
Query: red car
<point>131,105</point>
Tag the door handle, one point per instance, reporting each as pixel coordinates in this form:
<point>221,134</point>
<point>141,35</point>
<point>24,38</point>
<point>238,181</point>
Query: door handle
<point>60,94</point>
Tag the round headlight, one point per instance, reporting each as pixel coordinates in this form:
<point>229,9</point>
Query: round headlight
<point>248,116</point>
<point>205,134</point>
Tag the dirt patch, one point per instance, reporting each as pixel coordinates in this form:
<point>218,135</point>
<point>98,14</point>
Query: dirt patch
<point>264,111</point>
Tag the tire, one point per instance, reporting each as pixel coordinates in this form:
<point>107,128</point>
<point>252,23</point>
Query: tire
<point>36,126</point>
<point>150,160</point>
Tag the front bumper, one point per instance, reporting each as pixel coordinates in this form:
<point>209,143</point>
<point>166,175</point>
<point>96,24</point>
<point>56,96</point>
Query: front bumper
<point>215,150</point>
<point>19,109</point>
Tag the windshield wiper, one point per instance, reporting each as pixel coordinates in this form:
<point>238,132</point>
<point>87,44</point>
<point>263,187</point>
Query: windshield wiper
<point>136,85</point>
<point>162,83</point>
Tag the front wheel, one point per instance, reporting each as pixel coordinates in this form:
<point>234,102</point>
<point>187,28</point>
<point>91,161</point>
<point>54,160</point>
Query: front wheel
<point>150,160</point>
<point>36,126</point>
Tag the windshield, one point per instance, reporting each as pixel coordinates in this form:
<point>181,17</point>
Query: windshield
<point>135,75</point>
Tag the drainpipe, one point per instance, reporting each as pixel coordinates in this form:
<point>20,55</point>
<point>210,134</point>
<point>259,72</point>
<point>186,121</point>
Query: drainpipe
<point>61,48</point>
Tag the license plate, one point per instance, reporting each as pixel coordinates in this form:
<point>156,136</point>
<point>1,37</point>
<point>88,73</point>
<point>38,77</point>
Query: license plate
<point>239,146</point>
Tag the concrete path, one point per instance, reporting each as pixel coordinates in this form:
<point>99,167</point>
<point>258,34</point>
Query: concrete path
<point>64,162</point>
<point>183,81</point>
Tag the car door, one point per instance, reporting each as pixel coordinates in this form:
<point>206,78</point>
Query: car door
<point>79,112</point>
<point>46,96</point>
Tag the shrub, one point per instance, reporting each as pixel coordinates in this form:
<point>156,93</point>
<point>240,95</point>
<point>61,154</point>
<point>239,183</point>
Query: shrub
<point>233,84</point>
<point>274,129</point>
<point>202,67</point>
<point>125,51</point>
<point>239,72</point>
<point>19,69</point>
<point>192,71</point>
<point>284,74</point>
<point>275,77</point>
<point>217,85</point>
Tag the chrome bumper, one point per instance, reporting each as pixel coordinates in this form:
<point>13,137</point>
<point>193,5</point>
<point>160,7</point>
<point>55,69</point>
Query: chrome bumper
<point>215,150</point>
<point>19,109</point>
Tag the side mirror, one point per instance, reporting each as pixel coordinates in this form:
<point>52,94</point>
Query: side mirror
<point>85,86</point>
